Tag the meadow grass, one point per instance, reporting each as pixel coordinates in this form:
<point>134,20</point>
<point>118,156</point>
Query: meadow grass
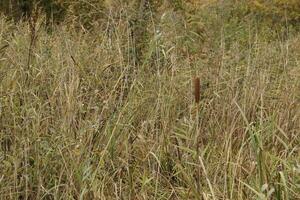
<point>82,118</point>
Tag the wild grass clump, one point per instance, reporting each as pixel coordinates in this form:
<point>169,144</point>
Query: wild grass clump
<point>280,10</point>
<point>98,115</point>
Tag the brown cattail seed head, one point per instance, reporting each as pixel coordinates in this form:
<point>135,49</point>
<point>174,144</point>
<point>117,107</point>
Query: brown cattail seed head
<point>197,89</point>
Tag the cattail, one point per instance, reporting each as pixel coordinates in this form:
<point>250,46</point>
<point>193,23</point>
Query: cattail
<point>197,89</point>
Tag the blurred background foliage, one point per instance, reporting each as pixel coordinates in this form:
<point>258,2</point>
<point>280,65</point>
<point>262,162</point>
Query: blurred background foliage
<point>54,10</point>
<point>278,10</point>
<point>87,12</point>
<point>184,24</point>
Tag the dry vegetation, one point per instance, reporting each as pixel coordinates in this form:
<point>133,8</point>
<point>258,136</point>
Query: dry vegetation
<point>108,112</point>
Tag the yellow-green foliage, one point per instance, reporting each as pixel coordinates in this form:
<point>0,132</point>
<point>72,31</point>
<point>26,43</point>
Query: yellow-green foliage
<point>281,9</point>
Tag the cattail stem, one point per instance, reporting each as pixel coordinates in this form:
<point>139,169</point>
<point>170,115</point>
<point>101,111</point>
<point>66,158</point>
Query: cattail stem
<point>197,89</point>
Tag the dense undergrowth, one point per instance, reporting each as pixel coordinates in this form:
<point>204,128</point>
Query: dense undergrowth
<point>104,109</point>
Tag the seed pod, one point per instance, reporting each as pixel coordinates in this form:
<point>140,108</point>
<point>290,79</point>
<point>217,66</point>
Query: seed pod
<point>197,89</point>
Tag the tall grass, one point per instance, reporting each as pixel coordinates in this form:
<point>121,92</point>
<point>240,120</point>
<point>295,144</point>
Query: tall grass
<point>89,122</point>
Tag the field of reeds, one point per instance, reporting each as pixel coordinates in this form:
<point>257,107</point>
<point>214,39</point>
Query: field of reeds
<point>112,109</point>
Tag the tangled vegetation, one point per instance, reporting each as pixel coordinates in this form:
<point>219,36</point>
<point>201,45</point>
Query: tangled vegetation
<point>150,99</point>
